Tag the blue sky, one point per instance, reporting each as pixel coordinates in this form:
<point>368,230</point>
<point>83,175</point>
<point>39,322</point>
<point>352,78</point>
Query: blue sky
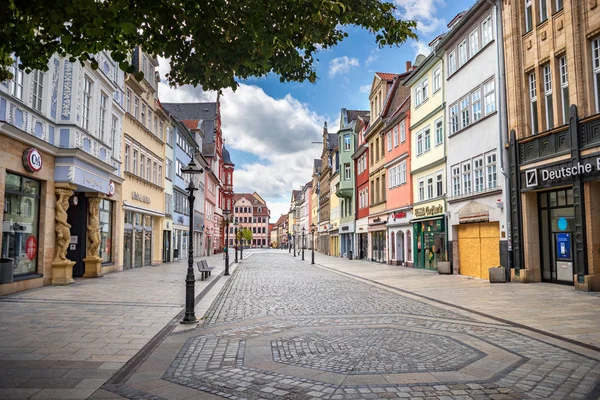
<point>268,125</point>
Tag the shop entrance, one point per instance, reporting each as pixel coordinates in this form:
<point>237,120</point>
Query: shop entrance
<point>478,248</point>
<point>557,228</point>
<point>77,217</point>
<point>378,246</point>
<point>430,243</point>
<point>166,246</point>
<point>363,245</point>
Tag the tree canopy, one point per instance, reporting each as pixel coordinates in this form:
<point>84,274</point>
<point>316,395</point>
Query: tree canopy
<point>212,43</point>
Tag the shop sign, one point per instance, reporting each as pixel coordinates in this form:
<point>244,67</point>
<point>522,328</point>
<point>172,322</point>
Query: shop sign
<point>32,160</point>
<point>400,214</point>
<point>344,228</point>
<point>31,247</point>
<point>111,189</point>
<point>535,177</point>
<point>140,197</point>
<point>429,210</point>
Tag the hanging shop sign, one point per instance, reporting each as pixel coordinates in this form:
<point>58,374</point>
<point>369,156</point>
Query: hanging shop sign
<point>429,210</point>
<point>562,172</point>
<point>400,214</point>
<point>111,189</point>
<point>140,197</point>
<point>32,160</point>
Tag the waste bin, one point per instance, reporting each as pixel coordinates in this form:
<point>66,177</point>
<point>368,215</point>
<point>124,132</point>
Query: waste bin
<point>176,253</point>
<point>6,270</point>
<point>350,255</point>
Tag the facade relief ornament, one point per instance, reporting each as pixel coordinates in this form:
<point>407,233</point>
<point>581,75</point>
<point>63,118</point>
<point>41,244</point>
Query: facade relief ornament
<point>62,227</point>
<point>54,99</point>
<point>67,90</point>
<point>93,228</point>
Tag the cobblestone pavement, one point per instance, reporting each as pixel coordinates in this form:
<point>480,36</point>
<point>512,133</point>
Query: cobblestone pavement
<point>283,329</point>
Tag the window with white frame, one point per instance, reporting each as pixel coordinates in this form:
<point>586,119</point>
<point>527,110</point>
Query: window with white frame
<point>474,42</point>
<point>489,97</point>
<point>486,31</point>
<point>464,112</point>
<point>155,131</point>
<point>346,142</point>
<point>16,83</point>
<point>38,85</point>
<point>476,105</point>
<point>439,131</point>
<point>533,103</point>
<point>427,139</point>
<point>420,142</point>
<point>143,114</point>
<point>389,141</point>
<point>425,89</point>
<point>136,107</point>
<point>142,170</point>
<point>454,119</point>
<point>127,150</point>
<point>403,131</point>
<point>456,180</point>
<point>437,79</point>
<point>452,63</point>
<point>558,5</point>
<point>148,166</point>
<point>528,16</point>
<point>564,88</point>
<point>150,119</point>
<point>135,162</point>
<point>430,187</point>
<point>128,100</point>
<point>596,71</point>
<point>402,173</point>
<point>418,100</point>
<point>102,115</point>
<point>478,174</point>
<point>439,183</point>
<point>466,175</point>
<point>548,100</point>
<point>161,131</point>
<point>113,134</point>
<point>87,103</point>
<point>395,136</point>
<point>462,53</point>
<point>347,172</point>
<point>543,10</point>
<point>490,165</point>
<point>155,173</point>
<point>421,189</point>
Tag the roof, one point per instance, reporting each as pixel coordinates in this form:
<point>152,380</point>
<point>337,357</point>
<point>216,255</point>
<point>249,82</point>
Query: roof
<point>386,76</point>
<point>226,157</point>
<point>249,197</point>
<point>282,218</point>
<point>332,141</point>
<point>203,115</point>
<point>295,194</point>
<point>394,95</point>
<point>456,18</point>
<point>353,115</point>
<point>191,123</point>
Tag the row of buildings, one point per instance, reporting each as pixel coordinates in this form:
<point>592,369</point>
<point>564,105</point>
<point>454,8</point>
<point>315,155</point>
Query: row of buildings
<point>91,173</point>
<point>484,153</point>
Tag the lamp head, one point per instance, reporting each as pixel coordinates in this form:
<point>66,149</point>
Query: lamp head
<point>192,168</point>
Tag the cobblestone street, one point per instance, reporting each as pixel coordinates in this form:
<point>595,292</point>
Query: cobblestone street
<point>281,328</point>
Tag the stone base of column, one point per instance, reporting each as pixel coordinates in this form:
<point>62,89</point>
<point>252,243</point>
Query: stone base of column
<point>526,276</point>
<point>93,267</point>
<point>62,272</point>
<point>591,283</point>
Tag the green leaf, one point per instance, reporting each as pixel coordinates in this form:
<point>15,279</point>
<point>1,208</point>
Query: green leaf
<point>128,28</point>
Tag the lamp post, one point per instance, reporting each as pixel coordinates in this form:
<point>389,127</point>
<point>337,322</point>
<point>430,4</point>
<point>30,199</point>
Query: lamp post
<point>227,213</point>
<point>294,240</point>
<point>242,243</point>
<point>303,238</point>
<point>190,280</point>
<point>235,224</point>
<point>312,240</point>
<point>289,242</point>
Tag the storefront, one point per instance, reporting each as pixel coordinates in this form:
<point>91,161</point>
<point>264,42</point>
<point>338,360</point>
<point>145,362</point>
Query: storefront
<point>377,239</point>
<point>347,240</point>
<point>142,227</point>
<point>167,240</point>
<point>323,239</point>
<point>334,242</point>
<point>429,230</point>
<point>361,240</point>
<point>400,235</point>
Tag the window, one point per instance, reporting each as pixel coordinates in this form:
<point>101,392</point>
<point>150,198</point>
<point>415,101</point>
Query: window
<point>102,116</point>
<point>160,179</point>
<point>402,174</point>
<point>533,103</point>
<point>396,136</point>
<point>347,171</point>
<point>16,83</point>
<point>155,173</point>
<point>478,173</point>
<point>106,225</point>
<point>127,148</point>
<point>452,63</point>
<point>427,139</point>
<point>528,16</point>
<point>474,42</point>
<point>486,31</point>
<point>389,141</point>
<point>113,135</point>
<point>425,89</point>
<point>143,114</point>
<point>148,176</point>
<point>464,112</point>
<point>419,142</point>
<point>142,162</point>
<point>38,85</point>
<point>564,86</point>
<point>135,167</point>
<point>136,107</point>
<point>543,9</point>
<point>128,100</point>
<point>559,5</point>
<point>548,96</point>
<point>87,102</point>
<point>489,97</point>
<point>437,79</point>
<point>490,165</point>
<point>421,190</point>
<point>418,100</point>
<point>462,53</point>
<point>456,180</point>
<point>466,173</point>
<point>155,131</point>
<point>439,184</point>
<point>403,131</point>
<point>430,187</point>
<point>476,105</point>
<point>346,142</point>
<point>596,69</point>
<point>439,132</point>
<point>454,125</point>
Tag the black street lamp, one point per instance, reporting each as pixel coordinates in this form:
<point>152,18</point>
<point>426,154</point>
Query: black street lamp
<point>294,240</point>
<point>226,213</point>
<point>312,240</point>
<point>235,224</point>
<point>303,239</point>
<point>190,280</point>
<point>242,243</point>
<point>289,242</point>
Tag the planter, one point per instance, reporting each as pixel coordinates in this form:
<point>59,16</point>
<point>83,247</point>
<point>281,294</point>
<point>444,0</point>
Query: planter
<point>497,274</point>
<point>443,267</point>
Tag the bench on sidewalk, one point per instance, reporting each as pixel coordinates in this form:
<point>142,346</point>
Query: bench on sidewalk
<point>204,269</point>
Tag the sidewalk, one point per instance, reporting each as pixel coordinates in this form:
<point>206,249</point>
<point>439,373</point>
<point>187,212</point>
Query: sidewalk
<point>66,341</point>
<point>557,309</point>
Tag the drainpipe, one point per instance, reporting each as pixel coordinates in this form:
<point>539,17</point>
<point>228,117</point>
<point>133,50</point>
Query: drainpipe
<point>503,125</point>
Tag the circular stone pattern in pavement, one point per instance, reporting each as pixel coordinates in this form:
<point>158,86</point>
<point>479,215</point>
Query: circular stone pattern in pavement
<point>373,351</point>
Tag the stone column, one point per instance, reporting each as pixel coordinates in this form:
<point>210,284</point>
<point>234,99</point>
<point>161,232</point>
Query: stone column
<point>93,262</point>
<point>62,267</point>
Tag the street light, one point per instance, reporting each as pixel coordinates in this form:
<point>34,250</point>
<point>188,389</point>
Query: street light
<point>226,213</point>
<point>242,243</point>
<point>190,281</point>
<point>294,239</point>
<point>312,232</point>
<point>303,237</point>
<point>235,224</point>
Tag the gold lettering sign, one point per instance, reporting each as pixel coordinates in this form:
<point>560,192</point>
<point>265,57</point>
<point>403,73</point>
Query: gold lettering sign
<point>140,197</point>
<point>429,210</point>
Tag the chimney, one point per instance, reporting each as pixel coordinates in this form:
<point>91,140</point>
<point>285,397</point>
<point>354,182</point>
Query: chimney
<point>408,66</point>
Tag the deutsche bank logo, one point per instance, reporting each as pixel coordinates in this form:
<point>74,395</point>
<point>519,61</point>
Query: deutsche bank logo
<point>531,178</point>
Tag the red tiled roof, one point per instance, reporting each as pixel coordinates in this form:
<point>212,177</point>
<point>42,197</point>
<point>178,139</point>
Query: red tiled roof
<point>386,76</point>
<point>191,123</point>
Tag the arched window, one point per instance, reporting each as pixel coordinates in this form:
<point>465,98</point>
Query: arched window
<point>393,245</point>
<point>408,246</point>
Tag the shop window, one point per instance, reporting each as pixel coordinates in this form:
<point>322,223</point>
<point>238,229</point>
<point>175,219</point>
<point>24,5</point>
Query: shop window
<point>21,223</point>
<point>106,227</point>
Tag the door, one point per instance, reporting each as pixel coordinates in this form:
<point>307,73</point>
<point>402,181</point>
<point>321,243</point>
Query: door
<point>478,248</point>
<point>127,249</point>
<point>139,248</point>
<point>77,217</point>
<point>166,246</point>
<point>400,246</point>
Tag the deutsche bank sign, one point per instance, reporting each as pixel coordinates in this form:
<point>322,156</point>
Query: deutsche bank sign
<point>545,175</point>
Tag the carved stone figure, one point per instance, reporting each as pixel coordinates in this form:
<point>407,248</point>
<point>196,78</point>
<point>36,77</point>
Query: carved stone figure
<point>62,227</point>
<point>93,228</point>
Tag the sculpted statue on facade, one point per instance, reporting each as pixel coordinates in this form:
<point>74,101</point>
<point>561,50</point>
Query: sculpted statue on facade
<point>62,227</point>
<point>93,228</point>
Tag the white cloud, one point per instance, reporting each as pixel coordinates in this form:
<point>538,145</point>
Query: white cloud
<point>373,56</point>
<point>421,48</point>
<point>341,65</point>
<point>422,11</point>
<point>365,89</point>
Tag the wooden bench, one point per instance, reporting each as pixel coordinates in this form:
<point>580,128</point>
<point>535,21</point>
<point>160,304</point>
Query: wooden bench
<point>204,269</point>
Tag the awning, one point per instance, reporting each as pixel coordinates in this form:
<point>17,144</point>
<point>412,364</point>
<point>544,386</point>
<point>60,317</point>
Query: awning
<point>426,219</point>
<point>142,210</point>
